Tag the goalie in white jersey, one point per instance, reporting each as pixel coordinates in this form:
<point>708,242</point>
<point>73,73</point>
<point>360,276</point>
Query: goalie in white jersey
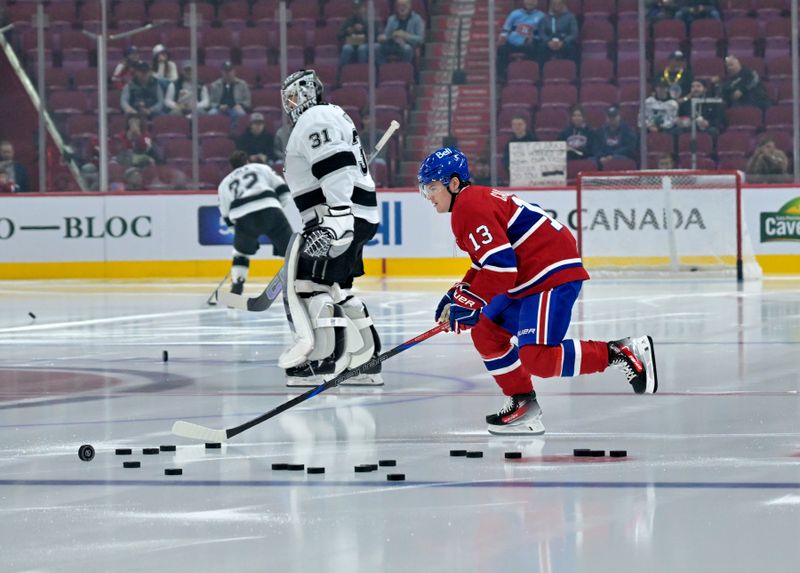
<point>328,175</point>
<point>251,200</point>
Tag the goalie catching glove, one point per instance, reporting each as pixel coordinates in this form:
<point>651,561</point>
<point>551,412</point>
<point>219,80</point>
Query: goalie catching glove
<point>330,237</point>
<point>465,310</point>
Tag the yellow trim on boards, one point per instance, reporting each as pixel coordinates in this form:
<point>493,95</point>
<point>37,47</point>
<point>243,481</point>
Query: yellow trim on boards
<point>401,267</point>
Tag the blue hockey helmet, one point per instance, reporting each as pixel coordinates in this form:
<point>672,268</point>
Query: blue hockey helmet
<point>442,165</point>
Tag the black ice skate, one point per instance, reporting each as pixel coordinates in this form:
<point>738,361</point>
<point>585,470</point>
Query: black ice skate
<point>521,415</point>
<point>237,287</point>
<point>311,373</point>
<point>636,357</point>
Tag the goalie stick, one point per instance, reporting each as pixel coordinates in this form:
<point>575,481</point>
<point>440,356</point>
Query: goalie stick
<point>202,433</point>
<point>264,300</point>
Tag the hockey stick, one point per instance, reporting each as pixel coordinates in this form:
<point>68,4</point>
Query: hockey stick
<point>214,296</point>
<point>197,432</point>
<point>264,300</point>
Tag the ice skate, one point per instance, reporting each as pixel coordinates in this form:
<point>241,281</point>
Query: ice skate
<point>237,287</point>
<point>520,415</point>
<point>309,374</point>
<point>636,357</point>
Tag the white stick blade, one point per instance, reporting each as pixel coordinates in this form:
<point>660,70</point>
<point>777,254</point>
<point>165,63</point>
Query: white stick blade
<point>232,300</point>
<point>197,432</point>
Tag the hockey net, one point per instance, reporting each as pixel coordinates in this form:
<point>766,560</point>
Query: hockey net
<point>668,222</point>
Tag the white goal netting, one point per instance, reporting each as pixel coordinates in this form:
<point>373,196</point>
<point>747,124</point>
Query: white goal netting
<point>672,222</point>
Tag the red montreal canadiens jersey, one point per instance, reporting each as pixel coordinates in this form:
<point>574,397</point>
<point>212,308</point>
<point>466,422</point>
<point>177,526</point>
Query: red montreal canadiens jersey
<point>516,247</point>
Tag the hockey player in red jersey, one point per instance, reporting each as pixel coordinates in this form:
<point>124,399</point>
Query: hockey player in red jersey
<point>526,275</point>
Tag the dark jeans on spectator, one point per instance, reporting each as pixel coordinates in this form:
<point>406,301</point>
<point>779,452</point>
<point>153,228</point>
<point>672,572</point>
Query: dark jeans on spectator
<point>531,52</point>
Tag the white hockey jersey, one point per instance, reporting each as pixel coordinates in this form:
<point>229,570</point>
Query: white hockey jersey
<point>250,188</point>
<point>326,165</point>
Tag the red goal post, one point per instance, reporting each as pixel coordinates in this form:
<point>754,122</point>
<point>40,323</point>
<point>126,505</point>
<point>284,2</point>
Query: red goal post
<point>678,220</point>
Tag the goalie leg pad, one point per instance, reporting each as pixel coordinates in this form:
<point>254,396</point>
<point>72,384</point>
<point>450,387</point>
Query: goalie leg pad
<point>366,342</point>
<point>297,311</point>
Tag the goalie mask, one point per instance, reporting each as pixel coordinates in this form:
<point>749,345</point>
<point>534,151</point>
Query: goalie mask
<point>299,92</point>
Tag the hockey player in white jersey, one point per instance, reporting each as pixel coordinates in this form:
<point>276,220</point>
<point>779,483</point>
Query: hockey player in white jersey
<point>251,200</point>
<point>328,175</point>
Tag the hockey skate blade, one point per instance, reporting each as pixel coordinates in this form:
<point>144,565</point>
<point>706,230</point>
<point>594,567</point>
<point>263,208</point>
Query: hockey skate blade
<point>532,428</point>
<point>232,300</point>
<point>197,432</point>
<point>650,364</point>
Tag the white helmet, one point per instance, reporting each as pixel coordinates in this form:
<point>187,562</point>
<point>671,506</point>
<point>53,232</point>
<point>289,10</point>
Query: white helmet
<point>299,92</point>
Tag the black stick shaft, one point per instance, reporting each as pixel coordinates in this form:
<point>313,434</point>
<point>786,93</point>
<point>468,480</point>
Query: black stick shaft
<point>337,380</point>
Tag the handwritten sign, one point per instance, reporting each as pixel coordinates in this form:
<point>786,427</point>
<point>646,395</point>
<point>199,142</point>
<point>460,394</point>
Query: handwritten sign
<point>538,163</point>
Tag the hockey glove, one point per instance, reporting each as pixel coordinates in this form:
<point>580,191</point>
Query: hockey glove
<point>442,313</point>
<point>331,236</point>
<point>465,309</point>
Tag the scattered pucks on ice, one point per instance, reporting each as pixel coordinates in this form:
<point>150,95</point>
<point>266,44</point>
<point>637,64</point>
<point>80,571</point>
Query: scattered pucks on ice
<point>86,452</point>
<point>513,455</point>
<point>131,464</point>
<point>295,467</point>
<point>581,452</point>
<point>123,451</point>
<point>150,451</point>
<point>33,316</point>
<point>167,448</point>
<point>458,453</point>
<point>165,356</point>
<point>213,446</point>
<point>597,453</point>
<point>316,470</point>
<point>363,468</point>
<point>387,463</point>
<point>173,472</point>
<point>280,466</point>
<point>618,453</point>
<point>396,477</point>
<point>474,454</point>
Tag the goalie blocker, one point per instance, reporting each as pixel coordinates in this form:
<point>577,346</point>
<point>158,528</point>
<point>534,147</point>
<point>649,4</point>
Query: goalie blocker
<point>331,327</point>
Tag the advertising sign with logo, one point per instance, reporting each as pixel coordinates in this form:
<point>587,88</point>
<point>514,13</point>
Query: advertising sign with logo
<point>783,225</point>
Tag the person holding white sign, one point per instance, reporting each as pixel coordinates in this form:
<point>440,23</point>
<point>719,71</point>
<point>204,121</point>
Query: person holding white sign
<point>526,275</point>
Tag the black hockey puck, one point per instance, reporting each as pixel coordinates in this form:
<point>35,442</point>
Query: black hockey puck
<point>581,452</point>
<point>513,455</point>
<point>131,464</point>
<point>458,453</point>
<point>474,454</point>
<point>167,448</point>
<point>396,477</point>
<point>33,316</point>
<point>173,472</point>
<point>150,451</point>
<point>597,453</point>
<point>213,446</point>
<point>316,470</point>
<point>86,452</point>
<point>165,356</point>
<point>295,467</point>
<point>387,463</point>
<point>364,468</point>
<point>618,453</point>
<point>123,451</point>
<point>280,466</point>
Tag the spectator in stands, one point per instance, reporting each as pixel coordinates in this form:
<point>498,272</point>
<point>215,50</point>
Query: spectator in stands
<point>615,139</point>
<point>480,171</point>
<point>133,179</point>
<point>661,10</point>
<point>164,69</point>
<point>135,144</point>
<point>677,75</point>
<point>578,135</point>
<point>6,185</point>
<point>519,36</point>
<point>353,36</point>
<point>742,86</point>
<point>180,95</point>
<point>692,10</point>
<point>405,30</point>
<point>519,133</point>
<point>123,73</point>
<point>710,116</point>
<point>91,179</point>
<point>229,95</point>
<point>281,139</point>
<point>665,162</point>
<point>257,142</point>
<point>142,95</point>
<point>660,110</point>
<point>558,32</point>
<point>14,170</point>
<point>768,164</point>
